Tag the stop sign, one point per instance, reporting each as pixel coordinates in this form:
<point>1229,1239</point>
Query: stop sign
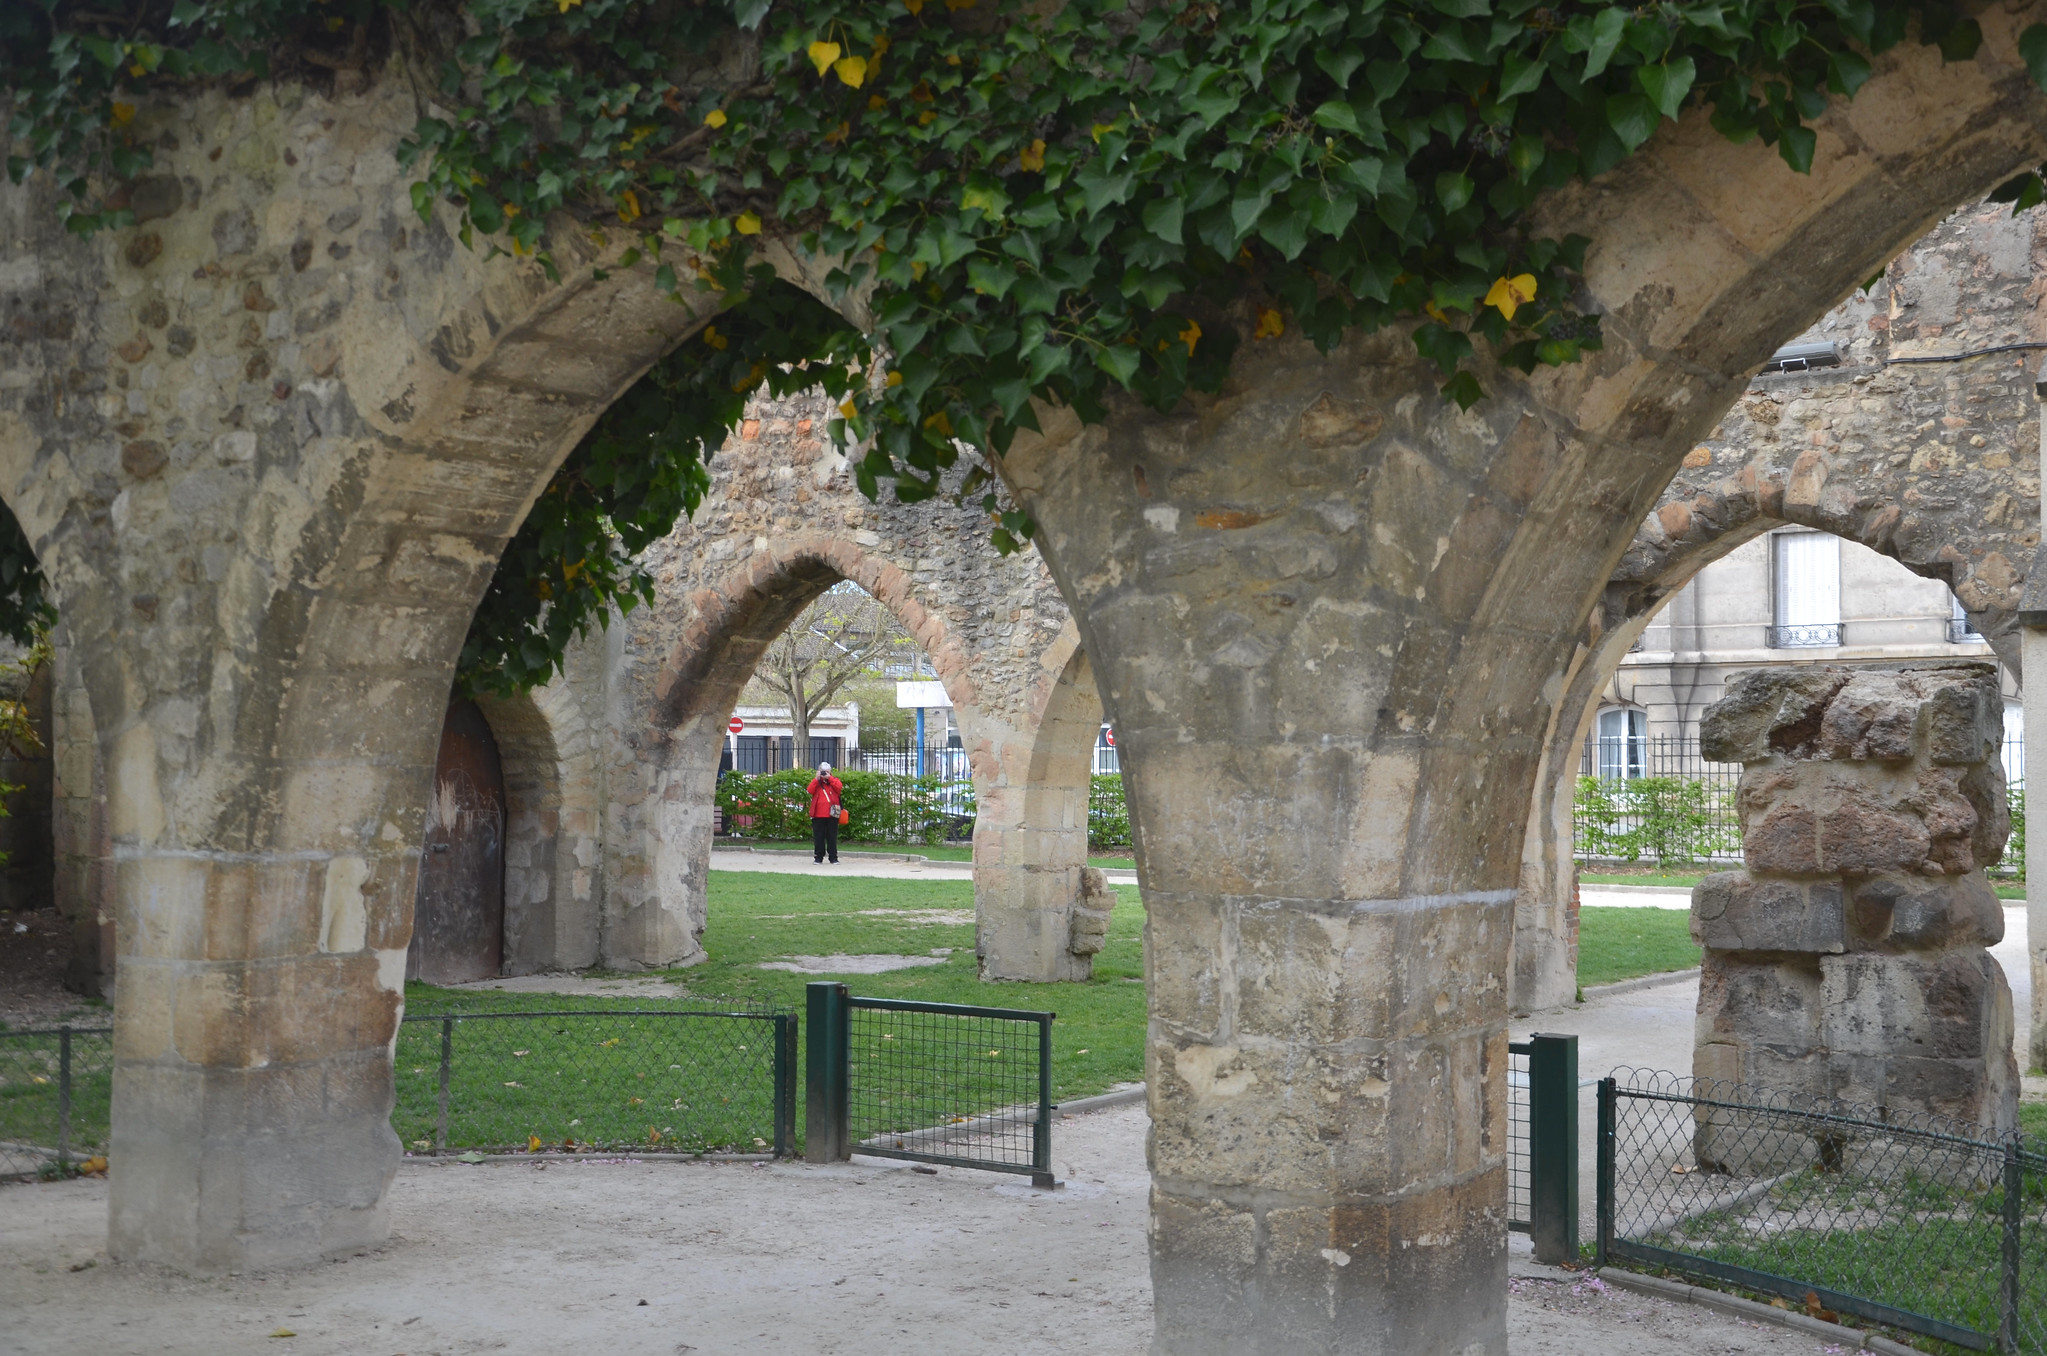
<point>1110,735</point>
<point>735,725</point>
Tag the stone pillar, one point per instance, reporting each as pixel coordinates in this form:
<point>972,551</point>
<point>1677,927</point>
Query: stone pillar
<point>1034,916</point>
<point>1847,960</point>
<point>2033,657</point>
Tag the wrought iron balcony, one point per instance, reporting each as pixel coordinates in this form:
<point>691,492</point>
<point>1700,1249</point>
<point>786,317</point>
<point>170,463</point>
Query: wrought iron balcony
<point>1816,635</point>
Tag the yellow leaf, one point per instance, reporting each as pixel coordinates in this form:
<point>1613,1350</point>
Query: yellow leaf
<point>715,118</point>
<point>852,70</point>
<point>1102,127</point>
<point>284,1332</point>
<point>628,206</point>
<point>533,1144</point>
<point>925,118</point>
<point>1270,326</point>
<point>137,71</point>
<point>823,54</point>
<point>1435,312</point>
<point>715,339</point>
<point>1032,157</point>
<point>564,4</point>
<point>939,424</point>
<point>875,103</point>
<point>915,7</point>
<point>746,223</point>
<point>1191,336</point>
<point>894,379</point>
<point>846,407</point>
<point>123,114</point>
<point>1510,294</point>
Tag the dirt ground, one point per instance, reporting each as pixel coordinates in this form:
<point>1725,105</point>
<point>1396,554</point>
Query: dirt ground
<point>660,1259</point>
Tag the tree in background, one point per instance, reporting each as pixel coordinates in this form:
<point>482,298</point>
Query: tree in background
<point>846,634</point>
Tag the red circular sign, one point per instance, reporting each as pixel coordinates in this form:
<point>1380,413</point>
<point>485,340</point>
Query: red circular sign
<point>735,725</point>
<point>1110,735</point>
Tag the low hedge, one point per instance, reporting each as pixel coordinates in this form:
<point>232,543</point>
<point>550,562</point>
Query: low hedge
<point>885,807</point>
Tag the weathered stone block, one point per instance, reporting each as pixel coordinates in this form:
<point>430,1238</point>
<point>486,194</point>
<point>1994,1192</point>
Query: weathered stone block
<point>1732,911</point>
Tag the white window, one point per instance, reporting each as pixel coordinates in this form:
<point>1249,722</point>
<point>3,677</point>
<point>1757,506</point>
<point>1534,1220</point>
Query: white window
<point>2015,743</point>
<point>1960,630</point>
<point>1623,734</point>
<point>1808,579</point>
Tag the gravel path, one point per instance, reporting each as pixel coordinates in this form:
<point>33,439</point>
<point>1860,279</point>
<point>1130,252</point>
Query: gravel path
<point>859,1258</point>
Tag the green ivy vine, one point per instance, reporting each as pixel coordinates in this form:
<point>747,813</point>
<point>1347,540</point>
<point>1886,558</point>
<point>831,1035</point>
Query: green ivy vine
<point>1052,203</point>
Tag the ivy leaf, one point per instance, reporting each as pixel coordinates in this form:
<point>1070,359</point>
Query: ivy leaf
<point>990,279</point>
<point>1453,190</point>
<point>1338,116</point>
<point>989,199</point>
<point>1632,118</point>
<point>1287,231</point>
<point>1118,360</point>
<point>1605,40</point>
<point>1960,43</point>
<point>1847,72</point>
<point>2033,50</point>
<point>1667,82</point>
<point>1339,63</point>
<point>1162,218</point>
<point>1442,345</point>
<point>1464,389</point>
<point>1796,145</point>
<point>749,13</point>
<point>1520,74</point>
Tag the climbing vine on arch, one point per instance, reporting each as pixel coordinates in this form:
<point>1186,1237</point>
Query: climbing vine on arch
<point>1052,203</point>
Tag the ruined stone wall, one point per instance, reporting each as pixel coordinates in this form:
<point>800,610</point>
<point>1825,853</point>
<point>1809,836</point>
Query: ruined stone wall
<point>782,521</point>
<point>1848,959</point>
<point>1934,464</point>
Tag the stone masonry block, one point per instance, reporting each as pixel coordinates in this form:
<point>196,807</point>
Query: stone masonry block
<point>1732,911</point>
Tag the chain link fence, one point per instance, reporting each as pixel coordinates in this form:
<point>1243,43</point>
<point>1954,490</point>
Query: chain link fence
<point>56,1089</point>
<point>1922,1224</point>
<point>710,1078</point>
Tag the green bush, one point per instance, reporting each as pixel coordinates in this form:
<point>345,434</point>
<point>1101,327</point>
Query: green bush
<point>2014,861</point>
<point>1673,820</point>
<point>885,807</point>
<point>1108,817</point>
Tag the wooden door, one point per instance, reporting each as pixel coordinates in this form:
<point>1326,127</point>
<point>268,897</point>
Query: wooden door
<point>458,917</point>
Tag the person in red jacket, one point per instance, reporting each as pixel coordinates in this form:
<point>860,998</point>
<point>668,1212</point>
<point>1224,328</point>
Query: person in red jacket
<point>825,790</point>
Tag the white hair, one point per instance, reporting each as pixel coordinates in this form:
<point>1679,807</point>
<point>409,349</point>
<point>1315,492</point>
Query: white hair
<point>824,768</point>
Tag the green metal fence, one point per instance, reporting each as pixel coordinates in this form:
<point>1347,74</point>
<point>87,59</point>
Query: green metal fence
<point>1542,1144</point>
<point>56,1090</point>
<point>932,1082</point>
<point>1922,1224</point>
<point>716,1077</point>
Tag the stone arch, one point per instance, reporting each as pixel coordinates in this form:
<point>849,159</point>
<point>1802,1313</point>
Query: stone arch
<point>554,801</point>
<point>1030,850</point>
<point>1934,465</point>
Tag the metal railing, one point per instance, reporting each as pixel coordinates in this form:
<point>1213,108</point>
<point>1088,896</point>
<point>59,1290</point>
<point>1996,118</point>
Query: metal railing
<point>1811,635</point>
<point>1928,1225</point>
<point>1656,798</point>
<point>710,1078</point>
<point>56,1093</point>
<point>932,1082</point>
<point>1542,1144</point>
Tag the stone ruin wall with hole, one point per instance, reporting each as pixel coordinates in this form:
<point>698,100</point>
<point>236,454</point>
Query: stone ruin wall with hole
<point>610,836</point>
<point>1936,465</point>
<point>1848,959</point>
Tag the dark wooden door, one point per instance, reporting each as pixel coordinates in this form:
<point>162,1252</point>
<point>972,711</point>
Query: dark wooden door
<point>458,918</point>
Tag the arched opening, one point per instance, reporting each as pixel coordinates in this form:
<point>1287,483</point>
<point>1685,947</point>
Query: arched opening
<point>458,914</point>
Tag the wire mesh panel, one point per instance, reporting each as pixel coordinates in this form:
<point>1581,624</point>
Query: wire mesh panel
<point>1518,1209</point>
<point>692,1081</point>
<point>56,1087</point>
<point>945,1083</point>
<point>1927,1225</point>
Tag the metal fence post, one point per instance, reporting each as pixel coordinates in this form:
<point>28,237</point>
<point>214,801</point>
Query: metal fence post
<point>1553,1148</point>
<point>63,1099</point>
<point>447,1059</point>
<point>827,1056</point>
<point>1609,1104</point>
<point>2014,1224</point>
<point>1041,1139</point>
<point>785,1084</point>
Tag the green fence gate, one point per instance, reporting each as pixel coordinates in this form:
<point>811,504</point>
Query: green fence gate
<point>933,1082</point>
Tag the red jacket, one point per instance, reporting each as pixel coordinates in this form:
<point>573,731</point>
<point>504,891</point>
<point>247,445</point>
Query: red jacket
<point>824,797</point>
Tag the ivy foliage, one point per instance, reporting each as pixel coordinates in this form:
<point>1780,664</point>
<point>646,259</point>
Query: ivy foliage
<point>1060,203</point>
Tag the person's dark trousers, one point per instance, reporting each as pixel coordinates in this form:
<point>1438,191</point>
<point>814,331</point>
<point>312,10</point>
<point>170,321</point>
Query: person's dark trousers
<point>824,837</point>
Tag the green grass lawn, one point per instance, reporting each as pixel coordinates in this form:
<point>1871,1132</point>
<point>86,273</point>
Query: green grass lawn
<point>2006,889</point>
<point>937,852</point>
<point>1617,944</point>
